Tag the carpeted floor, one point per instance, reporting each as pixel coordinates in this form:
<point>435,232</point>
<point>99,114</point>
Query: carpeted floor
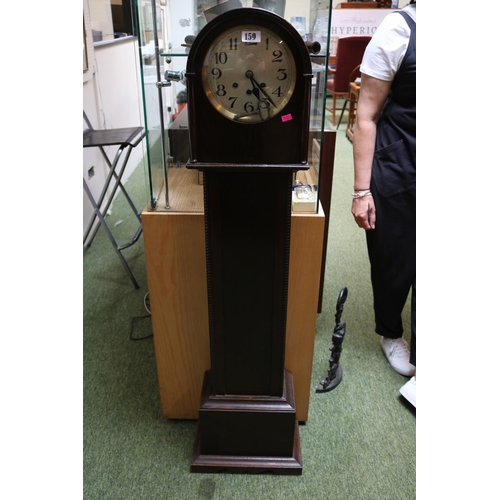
<point>359,441</point>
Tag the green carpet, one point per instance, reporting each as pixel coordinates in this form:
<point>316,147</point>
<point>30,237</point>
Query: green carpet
<point>359,441</point>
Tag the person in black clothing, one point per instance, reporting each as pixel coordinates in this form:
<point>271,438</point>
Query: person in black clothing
<point>384,198</point>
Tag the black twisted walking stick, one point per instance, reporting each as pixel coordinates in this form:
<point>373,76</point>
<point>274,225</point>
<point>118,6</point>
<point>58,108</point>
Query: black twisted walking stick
<point>333,376</point>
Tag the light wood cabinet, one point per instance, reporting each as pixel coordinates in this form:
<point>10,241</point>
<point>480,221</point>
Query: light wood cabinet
<point>176,270</point>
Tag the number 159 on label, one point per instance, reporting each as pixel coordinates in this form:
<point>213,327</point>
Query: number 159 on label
<point>250,36</point>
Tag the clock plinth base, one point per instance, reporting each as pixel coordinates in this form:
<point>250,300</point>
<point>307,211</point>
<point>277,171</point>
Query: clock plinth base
<point>247,434</point>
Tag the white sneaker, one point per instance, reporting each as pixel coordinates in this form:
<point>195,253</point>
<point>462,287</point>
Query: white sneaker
<point>409,391</point>
<point>398,355</point>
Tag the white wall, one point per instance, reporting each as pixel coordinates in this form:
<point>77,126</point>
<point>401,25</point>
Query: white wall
<point>112,98</point>
<point>102,20</point>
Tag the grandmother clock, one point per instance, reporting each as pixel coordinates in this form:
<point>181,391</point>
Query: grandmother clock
<point>248,77</point>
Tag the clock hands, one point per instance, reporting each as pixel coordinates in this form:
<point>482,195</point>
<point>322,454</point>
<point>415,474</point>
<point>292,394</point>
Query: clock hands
<point>258,88</point>
<point>255,90</point>
<point>264,101</point>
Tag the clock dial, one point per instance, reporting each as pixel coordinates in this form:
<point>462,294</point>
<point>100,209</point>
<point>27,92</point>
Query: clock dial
<point>249,74</point>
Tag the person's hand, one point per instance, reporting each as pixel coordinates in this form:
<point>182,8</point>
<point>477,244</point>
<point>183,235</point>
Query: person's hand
<point>363,210</point>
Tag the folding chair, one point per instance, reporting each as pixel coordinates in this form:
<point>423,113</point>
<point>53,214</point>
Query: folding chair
<point>126,139</point>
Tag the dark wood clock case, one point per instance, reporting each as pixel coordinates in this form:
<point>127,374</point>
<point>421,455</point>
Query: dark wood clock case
<point>247,419</point>
<point>214,138</point>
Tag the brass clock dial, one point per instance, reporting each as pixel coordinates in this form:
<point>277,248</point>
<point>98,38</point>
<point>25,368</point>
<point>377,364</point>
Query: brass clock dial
<point>249,74</point>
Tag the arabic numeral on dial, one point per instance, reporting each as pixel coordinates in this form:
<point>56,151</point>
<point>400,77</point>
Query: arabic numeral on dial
<point>277,92</point>
<point>278,56</point>
<point>216,73</point>
<point>232,100</point>
<point>282,74</point>
<point>220,58</point>
<point>249,107</point>
<point>221,90</point>
<point>233,44</point>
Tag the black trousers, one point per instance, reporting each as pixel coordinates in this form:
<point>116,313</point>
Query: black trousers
<point>392,253</point>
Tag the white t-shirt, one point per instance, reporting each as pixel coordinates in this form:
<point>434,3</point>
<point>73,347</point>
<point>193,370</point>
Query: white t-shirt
<point>387,48</point>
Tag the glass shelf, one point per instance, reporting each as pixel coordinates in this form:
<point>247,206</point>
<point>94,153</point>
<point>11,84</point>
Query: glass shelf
<point>176,52</point>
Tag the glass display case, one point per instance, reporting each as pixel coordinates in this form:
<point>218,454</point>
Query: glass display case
<point>167,29</point>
